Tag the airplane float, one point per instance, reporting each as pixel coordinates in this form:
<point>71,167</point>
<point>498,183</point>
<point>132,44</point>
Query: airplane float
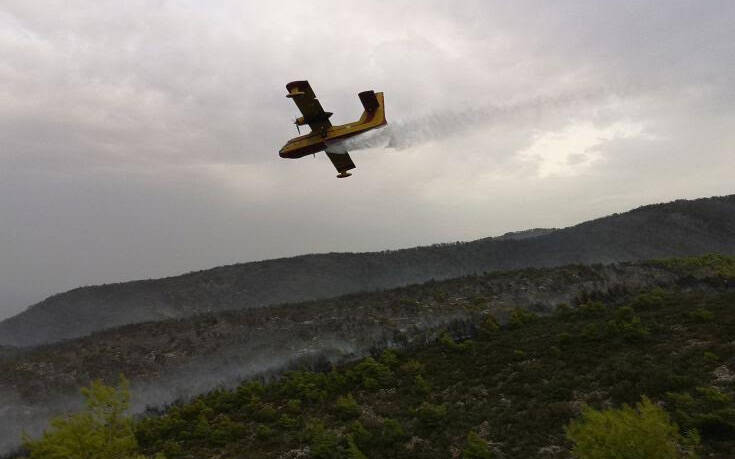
<point>323,133</point>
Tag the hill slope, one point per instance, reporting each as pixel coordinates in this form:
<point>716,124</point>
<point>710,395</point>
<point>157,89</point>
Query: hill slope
<point>515,387</point>
<point>178,358</point>
<point>679,228</point>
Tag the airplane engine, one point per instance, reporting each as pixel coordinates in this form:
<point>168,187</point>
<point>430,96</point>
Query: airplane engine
<point>369,101</point>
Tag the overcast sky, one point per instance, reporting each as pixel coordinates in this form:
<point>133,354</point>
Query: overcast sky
<point>140,139</point>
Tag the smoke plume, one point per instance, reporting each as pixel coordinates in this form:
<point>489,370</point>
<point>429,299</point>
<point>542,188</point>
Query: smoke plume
<point>405,133</point>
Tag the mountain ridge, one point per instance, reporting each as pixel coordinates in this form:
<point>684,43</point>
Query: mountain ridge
<point>677,228</point>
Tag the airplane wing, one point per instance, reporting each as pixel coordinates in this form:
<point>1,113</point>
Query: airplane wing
<point>312,111</point>
<point>342,162</point>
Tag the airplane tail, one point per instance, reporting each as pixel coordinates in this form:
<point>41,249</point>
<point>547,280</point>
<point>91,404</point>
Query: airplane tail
<point>369,101</point>
<point>374,107</point>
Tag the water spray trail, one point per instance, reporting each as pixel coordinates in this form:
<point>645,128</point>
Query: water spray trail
<point>405,133</point>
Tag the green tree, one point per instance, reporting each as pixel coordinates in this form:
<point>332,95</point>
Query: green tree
<point>347,407</point>
<point>644,432</point>
<point>477,448</point>
<point>101,431</point>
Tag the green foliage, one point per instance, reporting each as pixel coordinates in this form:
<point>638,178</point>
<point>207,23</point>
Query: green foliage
<point>389,358</point>
<point>266,413</point>
<point>359,434</point>
<point>709,410</point>
<point>520,317</point>
<point>249,391</point>
<point>447,341</point>
<point>307,386</point>
<point>627,325</point>
<point>324,443</point>
<point>293,406</point>
<point>720,265</point>
<point>371,374</point>
<point>518,379</point>
<point>346,407</point>
<point>412,367</point>
<point>644,432</point>
<point>353,452</point>
<point>100,431</point>
<point>652,299</point>
<point>701,315</point>
<point>431,415</point>
<point>421,385</point>
<point>489,326</point>
<point>264,432</point>
<point>591,309</point>
<point>391,432</point>
<point>288,422</point>
<point>476,448</point>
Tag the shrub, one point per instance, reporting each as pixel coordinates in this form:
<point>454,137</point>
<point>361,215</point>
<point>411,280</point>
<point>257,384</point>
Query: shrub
<point>649,300</point>
<point>324,443</point>
<point>431,415</point>
<point>412,367</point>
<point>371,374</point>
<point>643,432</point>
<point>701,315</point>
<point>353,452</point>
<point>293,406</point>
<point>592,309</point>
<point>359,433</point>
<point>288,422</point>
<point>421,386</point>
<point>389,357</point>
<point>347,407</point>
<point>627,325</point>
<point>263,432</point>
<point>489,325</point>
<point>709,410</point>
<point>446,339</point>
<point>391,432</point>
<point>100,431</point>
<point>592,332</point>
<point>305,385</point>
<point>248,391</point>
<point>477,448</point>
<point>266,413</point>
<point>520,317</point>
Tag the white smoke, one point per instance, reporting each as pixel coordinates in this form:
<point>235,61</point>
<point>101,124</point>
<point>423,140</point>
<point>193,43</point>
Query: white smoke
<point>404,133</point>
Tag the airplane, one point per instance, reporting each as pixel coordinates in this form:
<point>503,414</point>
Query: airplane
<point>322,132</point>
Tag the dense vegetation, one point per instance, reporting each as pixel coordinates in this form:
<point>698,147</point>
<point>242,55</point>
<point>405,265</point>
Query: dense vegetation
<point>503,381</point>
<point>511,390</point>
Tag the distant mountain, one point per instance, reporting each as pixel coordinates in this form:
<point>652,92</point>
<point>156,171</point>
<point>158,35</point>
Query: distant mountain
<point>678,228</point>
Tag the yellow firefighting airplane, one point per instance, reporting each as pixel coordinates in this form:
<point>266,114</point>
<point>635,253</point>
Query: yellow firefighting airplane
<point>322,131</point>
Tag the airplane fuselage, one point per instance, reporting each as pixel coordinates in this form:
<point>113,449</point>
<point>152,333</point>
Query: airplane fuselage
<point>317,141</point>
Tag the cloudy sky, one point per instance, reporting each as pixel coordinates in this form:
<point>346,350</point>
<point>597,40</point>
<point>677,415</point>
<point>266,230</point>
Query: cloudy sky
<point>139,139</point>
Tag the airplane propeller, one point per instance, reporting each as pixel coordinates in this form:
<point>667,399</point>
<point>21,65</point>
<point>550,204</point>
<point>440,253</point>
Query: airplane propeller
<point>296,122</point>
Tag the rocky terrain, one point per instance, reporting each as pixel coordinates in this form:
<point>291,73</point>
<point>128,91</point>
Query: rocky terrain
<point>678,228</point>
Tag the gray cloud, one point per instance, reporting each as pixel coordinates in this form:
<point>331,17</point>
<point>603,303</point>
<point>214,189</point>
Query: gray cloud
<point>140,139</point>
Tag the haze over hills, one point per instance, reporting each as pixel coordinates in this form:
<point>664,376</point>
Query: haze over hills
<point>678,228</point>
<point>176,359</point>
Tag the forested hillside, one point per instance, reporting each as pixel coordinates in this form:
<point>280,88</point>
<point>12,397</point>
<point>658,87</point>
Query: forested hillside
<point>504,382</point>
<point>509,391</point>
<point>679,228</point>
<point>180,358</point>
